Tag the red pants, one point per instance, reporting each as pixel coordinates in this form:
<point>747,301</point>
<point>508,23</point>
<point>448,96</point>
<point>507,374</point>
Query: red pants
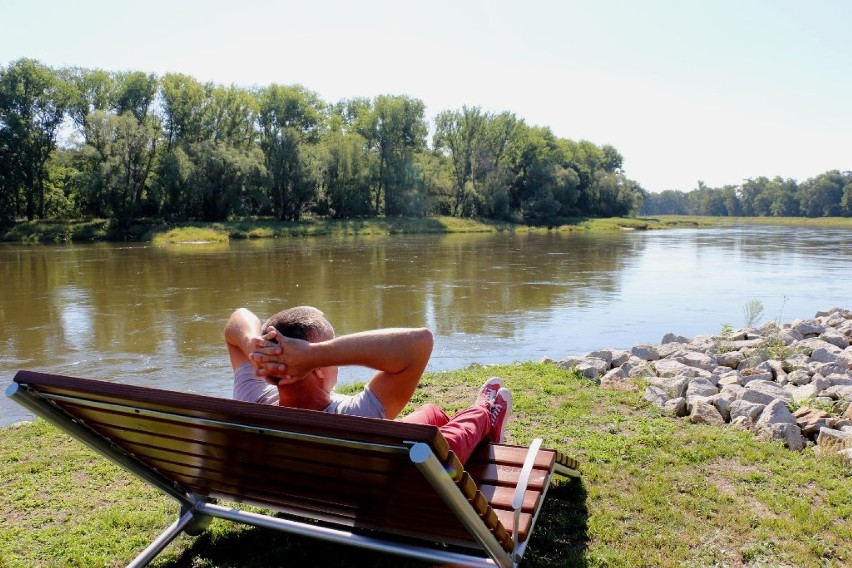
<point>463,432</point>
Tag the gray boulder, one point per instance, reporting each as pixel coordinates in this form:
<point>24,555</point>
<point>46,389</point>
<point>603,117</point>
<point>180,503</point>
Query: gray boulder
<point>645,352</point>
<point>671,368</point>
<point>790,434</point>
<point>803,393</point>
<point>776,412</point>
<point>603,354</point>
<point>823,355</point>
<point>655,395</point>
<point>839,392</point>
<point>700,387</point>
<point>672,338</point>
<point>754,375</point>
<point>705,413</point>
<point>613,376</point>
<point>839,380</point>
<point>638,368</point>
<point>799,377</point>
<point>808,327</point>
<point>835,338</point>
<point>723,405</point>
<point>732,378</point>
<point>749,410</point>
<point>808,346</point>
<point>674,387</point>
<point>675,407</point>
<point>619,357</point>
<point>733,392</point>
<point>698,360</point>
<point>764,392</point>
<point>731,359</point>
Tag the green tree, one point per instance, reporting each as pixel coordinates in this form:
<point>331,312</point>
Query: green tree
<point>846,199</point>
<point>781,195</point>
<point>135,93</point>
<point>478,147</point>
<point>459,135</point>
<point>226,181</point>
<point>668,202</point>
<point>616,195</point>
<point>173,187</point>
<point>290,120</point>
<point>731,201</point>
<point>538,173</point>
<point>821,196</point>
<point>395,132</point>
<point>10,179</point>
<point>33,100</point>
<point>90,90</point>
<point>347,175</point>
<point>232,114</point>
<point>705,200</point>
<point>184,109</point>
<point>753,199</point>
<point>119,153</point>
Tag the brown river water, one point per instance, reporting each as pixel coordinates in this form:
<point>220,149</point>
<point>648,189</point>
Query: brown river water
<point>154,316</point>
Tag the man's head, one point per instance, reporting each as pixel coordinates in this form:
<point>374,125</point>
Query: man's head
<point>308,324</point>
<point>302,322</point>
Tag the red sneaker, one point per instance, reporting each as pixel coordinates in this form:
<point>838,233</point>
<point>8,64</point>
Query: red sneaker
<point>500,409</point>
<point>488,392</point>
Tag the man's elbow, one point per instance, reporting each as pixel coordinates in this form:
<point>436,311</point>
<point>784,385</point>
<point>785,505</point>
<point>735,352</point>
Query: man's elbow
<point>425,341</point>
<point>234,325</point>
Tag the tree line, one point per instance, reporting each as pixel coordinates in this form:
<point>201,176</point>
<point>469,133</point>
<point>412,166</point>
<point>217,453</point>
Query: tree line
<point>827,195</point>
<point>78,143</point>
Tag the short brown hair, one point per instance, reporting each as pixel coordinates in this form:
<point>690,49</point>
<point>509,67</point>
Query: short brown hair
<point>302,322</point>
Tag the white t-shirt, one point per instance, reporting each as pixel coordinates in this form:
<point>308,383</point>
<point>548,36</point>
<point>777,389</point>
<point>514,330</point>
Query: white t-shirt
<point>250,388</point>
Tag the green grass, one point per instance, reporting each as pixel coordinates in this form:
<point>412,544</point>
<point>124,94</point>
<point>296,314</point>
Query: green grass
<point>27,232</point>
<point>189,235</point>
<point>655,491</point>
<point>259,228</point>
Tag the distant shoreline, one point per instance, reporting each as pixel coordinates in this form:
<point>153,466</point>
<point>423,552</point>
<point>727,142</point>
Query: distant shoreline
<point>159,232</point>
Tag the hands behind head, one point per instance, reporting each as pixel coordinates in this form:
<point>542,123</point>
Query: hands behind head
<point>272,353</point>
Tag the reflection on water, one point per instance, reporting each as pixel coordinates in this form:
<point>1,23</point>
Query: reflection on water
<point>148,315</point>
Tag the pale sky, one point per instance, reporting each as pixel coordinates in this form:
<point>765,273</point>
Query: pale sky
<point>711,90</point>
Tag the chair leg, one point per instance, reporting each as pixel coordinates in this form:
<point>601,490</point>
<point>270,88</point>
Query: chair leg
<point>162,541</point>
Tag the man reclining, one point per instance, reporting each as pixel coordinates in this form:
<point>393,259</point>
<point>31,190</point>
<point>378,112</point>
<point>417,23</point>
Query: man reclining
<point>292,360</point>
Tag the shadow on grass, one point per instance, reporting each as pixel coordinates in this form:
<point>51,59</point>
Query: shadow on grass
<point>560,539</point>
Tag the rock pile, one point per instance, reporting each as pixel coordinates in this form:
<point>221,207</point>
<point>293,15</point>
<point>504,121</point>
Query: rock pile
<point>750,378</point>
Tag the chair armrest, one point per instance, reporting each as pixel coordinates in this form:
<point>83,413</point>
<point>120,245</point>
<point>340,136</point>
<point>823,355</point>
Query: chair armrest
<point>521,488</point>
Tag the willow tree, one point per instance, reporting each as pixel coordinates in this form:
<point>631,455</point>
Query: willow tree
<point>290,119</point>
<point>33,100</point>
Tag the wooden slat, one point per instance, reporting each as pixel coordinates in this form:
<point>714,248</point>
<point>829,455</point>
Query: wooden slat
<point>501,497</point>
<point>510,455</point>
<point>495,474</point>
<point>260,415</point>
<point>567,461</point>
<point>508,521</point>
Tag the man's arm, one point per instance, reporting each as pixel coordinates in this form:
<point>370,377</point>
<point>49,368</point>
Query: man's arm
<point>240,331</point>
<point>398,356</point>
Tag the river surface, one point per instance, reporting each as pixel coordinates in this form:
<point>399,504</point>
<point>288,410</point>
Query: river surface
<point>154,316</point>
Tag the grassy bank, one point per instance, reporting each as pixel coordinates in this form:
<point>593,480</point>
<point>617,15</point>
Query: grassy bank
<point>162,233</point>
<point>655,491</point>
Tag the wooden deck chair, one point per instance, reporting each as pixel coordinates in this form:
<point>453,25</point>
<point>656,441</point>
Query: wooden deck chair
<point>376,484</point>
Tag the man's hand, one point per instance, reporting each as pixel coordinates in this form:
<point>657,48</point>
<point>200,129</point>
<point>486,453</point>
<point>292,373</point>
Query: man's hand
<point>281,360</point>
